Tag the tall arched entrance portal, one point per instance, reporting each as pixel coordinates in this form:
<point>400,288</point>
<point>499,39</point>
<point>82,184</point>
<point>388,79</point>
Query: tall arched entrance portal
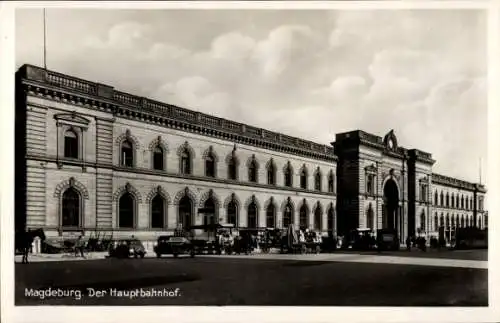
<point>390,210</point>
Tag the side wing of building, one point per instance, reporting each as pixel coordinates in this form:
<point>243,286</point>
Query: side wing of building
<point>91,158</point>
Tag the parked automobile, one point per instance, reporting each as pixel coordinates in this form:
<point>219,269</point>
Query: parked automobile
<point>171,245</point>
<point>359,239</point>
<point>127,248</point>
<point>387,239</point>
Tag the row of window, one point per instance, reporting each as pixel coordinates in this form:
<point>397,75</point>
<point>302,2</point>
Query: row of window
<point>127,159</point>
<point>460,221</point>
<point>127,213</point>
<point>455,201</point>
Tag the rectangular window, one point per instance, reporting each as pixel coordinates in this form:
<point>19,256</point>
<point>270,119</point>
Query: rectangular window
<point>370,181</point>
<point>423,192</point>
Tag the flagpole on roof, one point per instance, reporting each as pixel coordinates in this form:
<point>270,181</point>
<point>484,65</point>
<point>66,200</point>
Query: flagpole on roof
<point>480,171</point>
<point>44,41</point>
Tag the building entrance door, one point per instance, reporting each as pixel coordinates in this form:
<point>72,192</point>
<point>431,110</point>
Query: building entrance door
<point>391,209</point>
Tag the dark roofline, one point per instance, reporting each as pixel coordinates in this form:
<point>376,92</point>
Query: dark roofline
<point>455,182</point>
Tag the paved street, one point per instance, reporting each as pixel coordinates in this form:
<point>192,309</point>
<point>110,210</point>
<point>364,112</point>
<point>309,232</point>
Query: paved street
<point>341,279</point>
<point>477,254</point>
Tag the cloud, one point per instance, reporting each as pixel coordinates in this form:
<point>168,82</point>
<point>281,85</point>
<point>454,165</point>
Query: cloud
<point>232,46</point>
<point>284,46</point>
<point>343,89</point>
<point>125,35</point>
<point>197,93</point>
<point>165,52</point>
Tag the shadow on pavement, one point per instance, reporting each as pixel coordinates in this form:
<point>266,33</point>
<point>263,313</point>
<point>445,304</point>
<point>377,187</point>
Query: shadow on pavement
<point>305,263</point>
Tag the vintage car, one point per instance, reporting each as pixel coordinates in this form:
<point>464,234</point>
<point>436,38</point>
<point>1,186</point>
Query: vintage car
<point>387,239</point>
<point>359,239</point>
<point>127,248</point>
<point>205,238</point>
<point>172,245</point>
<point>329,243</point>
<point>471,238</point>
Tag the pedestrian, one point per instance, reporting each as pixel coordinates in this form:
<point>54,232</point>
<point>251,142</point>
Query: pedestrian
<point>79,246</point>
<point>408,243</point>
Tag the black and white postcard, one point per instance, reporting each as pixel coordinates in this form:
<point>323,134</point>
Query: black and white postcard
<point>238,161</point>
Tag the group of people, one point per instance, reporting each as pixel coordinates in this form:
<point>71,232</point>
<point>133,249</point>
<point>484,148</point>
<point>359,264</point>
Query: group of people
<point>242,243</point>
<point>246,242</point>
<point>419,242</point>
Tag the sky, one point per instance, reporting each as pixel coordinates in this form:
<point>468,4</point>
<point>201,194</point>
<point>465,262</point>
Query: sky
<point>306,73</point>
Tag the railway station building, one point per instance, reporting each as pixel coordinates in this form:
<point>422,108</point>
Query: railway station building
<point>90,158</point>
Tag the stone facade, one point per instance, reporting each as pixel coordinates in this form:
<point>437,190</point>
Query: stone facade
<point>91,145</point>
<point>455,204</point>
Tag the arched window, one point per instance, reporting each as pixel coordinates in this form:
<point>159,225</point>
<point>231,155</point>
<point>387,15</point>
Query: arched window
<point>232,213</point>
<point>462,202</point>
<point>185,212</point>
<point>318,223</point>
<point>331,182</point>
<point>452,200</point>
<point>127,154</point>
<point>252,215</point>
<point>210,213</point>
<point>71,208</point>
<point>70,144</point>
<point>435,198</point>
<point>442,199</point>
<point>441,220</point>
<point>252,171</point>
<point>127,211</point>
<point>288,175</point>
<point>331,218</point>
<point>369,217</point>
<point>457,201</point>
<point>303,178</point>
<point>157,212</point>
<point>447,220</point>
<point>158,158</point>
<point>232,168</point>
<point>452,220</point>
<point>271,216</point>
<point>185,162</point>
<point>447,199</point>
<point>271,174</point>
<point>436,223</point>
<point>317,181</point>
<point>466,203</point>
<point>210,165</point>
<point>288,215</point>
<point>303,218</point>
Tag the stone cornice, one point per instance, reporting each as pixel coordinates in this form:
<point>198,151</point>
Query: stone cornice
<point>421,156</point>
<point>60,87</point>
<point>457,183</point>
<point>146,171</point>
<point>370,140</point>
